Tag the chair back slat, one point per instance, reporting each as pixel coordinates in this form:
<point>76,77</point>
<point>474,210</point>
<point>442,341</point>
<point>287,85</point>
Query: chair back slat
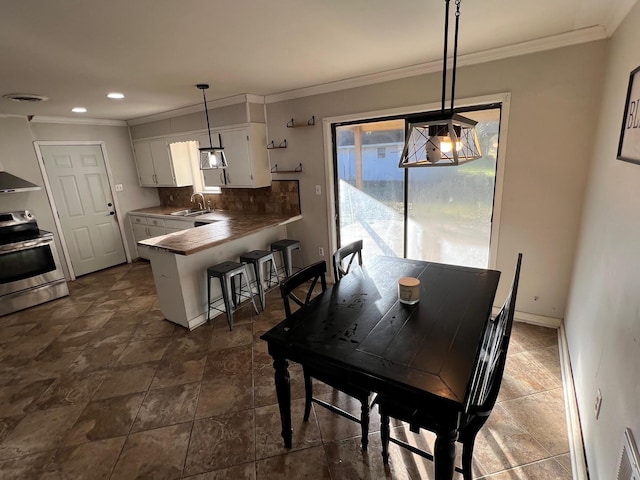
<point>348,252</point>
<point>311,275</point>
<point>493,354</point>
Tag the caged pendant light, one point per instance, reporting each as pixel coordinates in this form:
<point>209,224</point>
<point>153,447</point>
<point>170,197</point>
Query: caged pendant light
<point>211,157</point>
<point>443,138</point>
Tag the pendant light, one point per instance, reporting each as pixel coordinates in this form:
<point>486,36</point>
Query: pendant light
<point>211,157</point>
<point>443,138</point>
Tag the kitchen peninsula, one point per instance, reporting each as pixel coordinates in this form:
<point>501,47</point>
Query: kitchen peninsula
<point>180,260</point>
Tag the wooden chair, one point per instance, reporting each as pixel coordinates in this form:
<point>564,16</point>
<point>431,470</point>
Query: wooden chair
<point>483,392</point>
<point>299,289</point>
<point>348,252</point>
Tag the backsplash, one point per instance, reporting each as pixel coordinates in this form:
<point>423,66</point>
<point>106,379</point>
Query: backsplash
<point>283,196</point>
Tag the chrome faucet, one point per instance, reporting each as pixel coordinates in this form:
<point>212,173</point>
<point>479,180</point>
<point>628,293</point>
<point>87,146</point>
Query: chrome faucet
<point>200,204</point>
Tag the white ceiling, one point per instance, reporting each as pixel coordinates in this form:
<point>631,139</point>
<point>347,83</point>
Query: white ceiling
<point>155,51</point>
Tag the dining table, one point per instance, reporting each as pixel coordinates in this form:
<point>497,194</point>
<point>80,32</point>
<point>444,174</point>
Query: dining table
<point>359,331</point>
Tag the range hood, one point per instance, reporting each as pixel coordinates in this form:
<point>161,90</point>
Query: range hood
<point>12,184</point>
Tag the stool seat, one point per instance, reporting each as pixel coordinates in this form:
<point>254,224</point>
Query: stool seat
<point>284,243</point>
<point>286,246</point>
<point>254,255</point>
<point>226,273</point>
<point>258,258</point>
<point>223,268</point>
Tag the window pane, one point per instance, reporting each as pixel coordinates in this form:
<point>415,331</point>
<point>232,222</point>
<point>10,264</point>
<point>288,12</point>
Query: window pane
<point>450,208</point>
<point>370,186</point>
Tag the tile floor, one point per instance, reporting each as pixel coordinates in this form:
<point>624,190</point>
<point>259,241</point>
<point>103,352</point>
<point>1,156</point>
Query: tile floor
<point>98,385</point>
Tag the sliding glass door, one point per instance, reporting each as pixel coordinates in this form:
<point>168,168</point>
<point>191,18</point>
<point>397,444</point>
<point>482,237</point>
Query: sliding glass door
<point>439,214</point>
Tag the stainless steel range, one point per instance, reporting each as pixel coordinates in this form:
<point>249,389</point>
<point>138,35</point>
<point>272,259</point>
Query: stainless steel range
<point>30,271</point>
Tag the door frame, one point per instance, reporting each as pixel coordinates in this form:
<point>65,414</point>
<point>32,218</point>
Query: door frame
<point>47,186</point>
<point>502,98</point>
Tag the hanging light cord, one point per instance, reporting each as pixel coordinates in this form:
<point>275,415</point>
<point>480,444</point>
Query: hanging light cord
<point>206,111</point>
<point>455,50</point>
<point>444,58</point>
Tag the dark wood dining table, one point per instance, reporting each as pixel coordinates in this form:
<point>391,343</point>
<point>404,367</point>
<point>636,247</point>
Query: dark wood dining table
<point>427,352</point>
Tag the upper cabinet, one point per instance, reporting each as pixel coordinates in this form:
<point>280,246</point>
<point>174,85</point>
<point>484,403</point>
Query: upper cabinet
<point>248,163</point>
<point>158,168</point>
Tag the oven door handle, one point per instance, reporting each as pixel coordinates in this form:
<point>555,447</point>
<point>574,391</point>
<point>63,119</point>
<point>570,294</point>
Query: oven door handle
<point>37,242</point>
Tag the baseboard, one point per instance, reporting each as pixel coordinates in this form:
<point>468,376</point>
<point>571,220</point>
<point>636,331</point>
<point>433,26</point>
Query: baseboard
<point>574,430</point>
<point>532,318</point>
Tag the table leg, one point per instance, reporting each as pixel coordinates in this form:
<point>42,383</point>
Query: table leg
<point>283,392</point>
<point>445,454</point>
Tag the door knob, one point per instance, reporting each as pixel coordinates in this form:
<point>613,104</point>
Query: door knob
<point>112,213</point>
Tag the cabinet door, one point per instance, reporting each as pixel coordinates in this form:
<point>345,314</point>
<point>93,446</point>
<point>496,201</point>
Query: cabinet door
<point>236,147</point>
<point>156,231</point>
<point>144,164</point>
<point>162,163</point>
<point>139,232</point>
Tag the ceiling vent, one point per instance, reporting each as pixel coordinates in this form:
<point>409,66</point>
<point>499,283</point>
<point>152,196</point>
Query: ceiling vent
<point>24,97</point>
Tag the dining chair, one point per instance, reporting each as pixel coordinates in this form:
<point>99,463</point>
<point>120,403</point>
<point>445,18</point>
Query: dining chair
<point>484,390</point>
<point>299,289</point>
<point>348,252</point>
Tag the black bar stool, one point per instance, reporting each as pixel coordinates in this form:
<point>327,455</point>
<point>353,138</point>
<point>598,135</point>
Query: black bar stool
<point>226,273</point>
<point>259,258</point>
<point>286,247</point>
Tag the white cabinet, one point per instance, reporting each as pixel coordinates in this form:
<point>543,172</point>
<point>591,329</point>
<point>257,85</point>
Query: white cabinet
<point>246,155</point>
<point>144,227</point>
<point>156,166</point>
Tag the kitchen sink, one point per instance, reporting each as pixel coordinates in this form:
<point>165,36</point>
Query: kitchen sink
<point>189,212</point>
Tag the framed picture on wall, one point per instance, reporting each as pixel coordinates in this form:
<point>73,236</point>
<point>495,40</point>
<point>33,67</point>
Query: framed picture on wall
<point>629,146</point>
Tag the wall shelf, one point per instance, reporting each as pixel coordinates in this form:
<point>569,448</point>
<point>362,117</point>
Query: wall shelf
<point>272,145</point>
<point>310,123</point>
<point>298,169</point>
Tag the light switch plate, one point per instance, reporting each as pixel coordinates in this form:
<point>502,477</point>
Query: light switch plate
<point>318,190</point>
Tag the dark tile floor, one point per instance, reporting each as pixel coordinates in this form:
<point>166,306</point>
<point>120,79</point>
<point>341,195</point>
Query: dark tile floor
<point>98,385</point>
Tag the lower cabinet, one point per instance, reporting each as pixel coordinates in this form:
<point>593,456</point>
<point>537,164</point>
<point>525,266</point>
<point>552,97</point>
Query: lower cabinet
<point>144,226</point>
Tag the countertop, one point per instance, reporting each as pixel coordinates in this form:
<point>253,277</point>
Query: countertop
<point>225,226</point>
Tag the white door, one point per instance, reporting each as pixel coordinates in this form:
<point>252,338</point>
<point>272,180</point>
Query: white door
<point>81,191</point>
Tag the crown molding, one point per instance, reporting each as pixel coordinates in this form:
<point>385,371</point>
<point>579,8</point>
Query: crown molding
<point>221,102</point>
<point>78,121</point>
<point>584,35</point>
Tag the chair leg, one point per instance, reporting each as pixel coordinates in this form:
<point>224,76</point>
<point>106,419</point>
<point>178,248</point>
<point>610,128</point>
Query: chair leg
<point>308,395</point>
<point>227,292</point>
<point>364,422</point>
<point>257,268</point>
<point>208,298</point>
<point>384,437</point>
<point>246,280</point>
<point>467,457</point>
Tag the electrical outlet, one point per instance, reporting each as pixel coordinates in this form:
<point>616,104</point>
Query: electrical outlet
<point>119,187</point>
<point>598,403</point>
<point>321,251</point>
<point>318,190</point>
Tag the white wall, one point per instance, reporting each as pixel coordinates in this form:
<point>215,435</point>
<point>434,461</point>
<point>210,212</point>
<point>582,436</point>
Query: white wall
<point>554,99</point>
<point>603,314</point>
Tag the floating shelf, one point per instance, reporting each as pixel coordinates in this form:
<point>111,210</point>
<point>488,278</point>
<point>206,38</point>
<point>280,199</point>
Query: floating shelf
<point>298,169</point>
<point>272,145</point>
<point>310,123</point>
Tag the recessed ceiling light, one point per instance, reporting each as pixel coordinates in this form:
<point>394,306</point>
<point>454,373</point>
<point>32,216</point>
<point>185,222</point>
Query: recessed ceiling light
<point>79,110</point>
<point>115,95</point>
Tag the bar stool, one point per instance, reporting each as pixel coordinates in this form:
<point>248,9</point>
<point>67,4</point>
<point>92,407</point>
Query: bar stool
<point>259,258</point>
<point>226,273</point>
<point>286,247</point>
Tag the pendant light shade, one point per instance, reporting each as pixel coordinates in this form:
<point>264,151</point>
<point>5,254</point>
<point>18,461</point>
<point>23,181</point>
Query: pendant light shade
<point>211,157</point>
<point>444,138</point>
